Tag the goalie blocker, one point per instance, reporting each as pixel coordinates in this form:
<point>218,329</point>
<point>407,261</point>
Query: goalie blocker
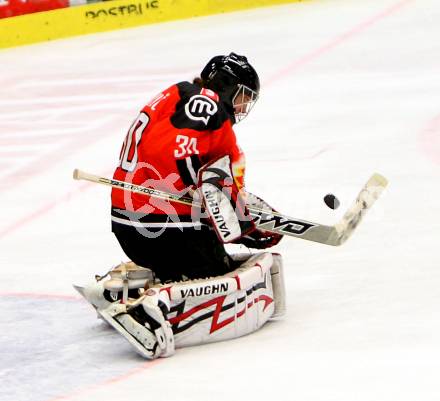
<point>227,209</point>
<point>155,319</point>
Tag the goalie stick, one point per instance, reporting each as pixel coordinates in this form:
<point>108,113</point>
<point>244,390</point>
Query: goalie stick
<point>271,221</point>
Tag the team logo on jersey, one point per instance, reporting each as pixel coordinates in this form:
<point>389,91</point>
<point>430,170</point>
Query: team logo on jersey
<point>200,108</point>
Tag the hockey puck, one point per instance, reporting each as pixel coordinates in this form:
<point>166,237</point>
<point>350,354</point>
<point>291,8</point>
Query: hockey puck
<point>331,201</point>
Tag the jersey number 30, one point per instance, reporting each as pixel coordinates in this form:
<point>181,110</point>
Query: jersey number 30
<point>129,154</point>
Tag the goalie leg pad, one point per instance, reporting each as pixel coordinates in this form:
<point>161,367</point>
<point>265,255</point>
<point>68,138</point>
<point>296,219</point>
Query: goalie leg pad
<point>279,288</point>
<point>196,312</point>
<point>225,307</point>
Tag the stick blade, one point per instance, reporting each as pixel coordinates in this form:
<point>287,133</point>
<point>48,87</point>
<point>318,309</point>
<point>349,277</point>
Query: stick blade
<point>364,201</point>
<point>375,185</point>
<point>377,180</point>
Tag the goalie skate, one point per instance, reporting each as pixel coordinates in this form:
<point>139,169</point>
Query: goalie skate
<point>140,337</point>
<point>127,280</point>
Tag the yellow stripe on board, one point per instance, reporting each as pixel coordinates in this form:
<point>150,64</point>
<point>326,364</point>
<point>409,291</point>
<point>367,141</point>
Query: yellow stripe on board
<point>116,14</point>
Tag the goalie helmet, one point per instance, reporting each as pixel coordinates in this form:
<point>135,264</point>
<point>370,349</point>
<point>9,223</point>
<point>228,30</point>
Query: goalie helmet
<point>235,81</point>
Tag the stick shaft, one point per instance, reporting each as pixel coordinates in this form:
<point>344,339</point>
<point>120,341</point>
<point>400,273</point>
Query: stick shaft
<point>271,221</point>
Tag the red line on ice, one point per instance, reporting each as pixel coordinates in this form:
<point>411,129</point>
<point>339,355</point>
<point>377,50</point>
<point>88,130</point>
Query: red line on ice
<point>42,210</point>
<point>363,26</point>
<point>144,366</point>
<point>47,160</point>
<point>429,139</point>
<point>113,380</point>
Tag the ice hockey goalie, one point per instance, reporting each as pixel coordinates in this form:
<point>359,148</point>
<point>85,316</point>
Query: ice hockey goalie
<point>182,288</point>
<point>157,317</point>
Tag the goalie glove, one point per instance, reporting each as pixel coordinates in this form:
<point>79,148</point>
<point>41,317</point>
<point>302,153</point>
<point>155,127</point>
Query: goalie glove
<point>258,238</point>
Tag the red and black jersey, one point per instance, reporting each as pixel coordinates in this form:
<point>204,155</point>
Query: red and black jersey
<point>181,129</point>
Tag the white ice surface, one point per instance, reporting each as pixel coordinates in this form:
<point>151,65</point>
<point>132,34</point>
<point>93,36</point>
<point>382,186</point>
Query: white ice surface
<point>348,88</point>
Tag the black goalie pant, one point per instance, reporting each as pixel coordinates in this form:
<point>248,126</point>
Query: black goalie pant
<point>174,253</point>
